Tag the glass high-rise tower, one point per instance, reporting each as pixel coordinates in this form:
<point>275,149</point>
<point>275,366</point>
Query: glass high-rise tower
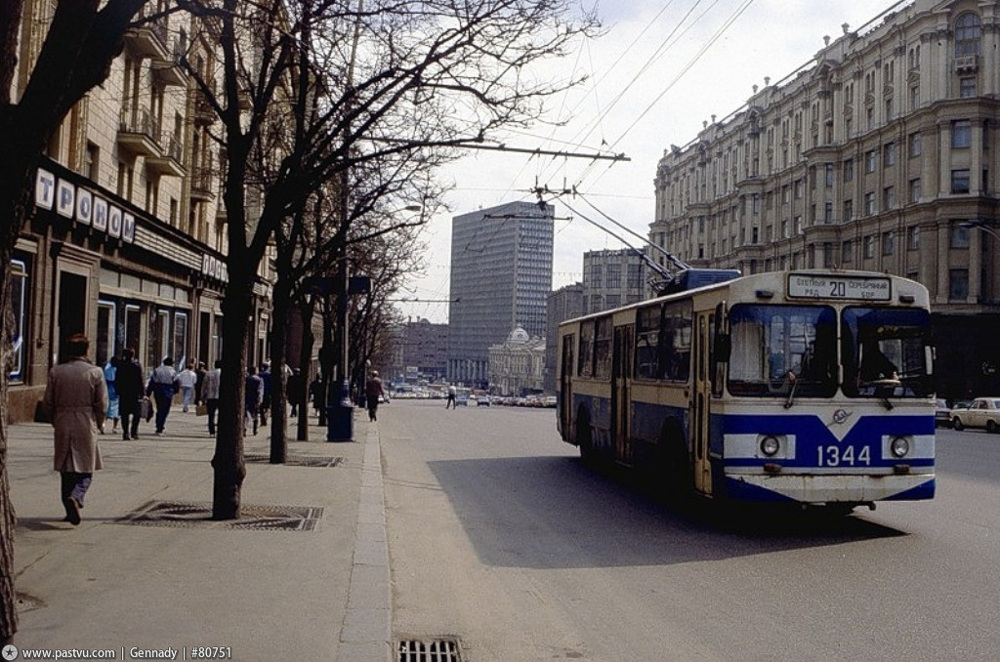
<point>501,276</point>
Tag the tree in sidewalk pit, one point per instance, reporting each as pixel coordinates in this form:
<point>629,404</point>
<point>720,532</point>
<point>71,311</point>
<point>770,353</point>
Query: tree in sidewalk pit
<point>39,84</point>
<point>311,89</point>
<point>309,248</point>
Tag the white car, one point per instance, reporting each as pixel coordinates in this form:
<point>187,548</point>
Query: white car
<point>982,413</point>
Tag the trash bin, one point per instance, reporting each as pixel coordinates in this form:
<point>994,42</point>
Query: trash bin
<point>340,417</point>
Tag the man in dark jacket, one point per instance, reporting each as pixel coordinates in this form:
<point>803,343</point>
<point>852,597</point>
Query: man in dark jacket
<point>129,384</point>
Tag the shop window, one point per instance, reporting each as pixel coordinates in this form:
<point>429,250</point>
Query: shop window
<point>19,289</point>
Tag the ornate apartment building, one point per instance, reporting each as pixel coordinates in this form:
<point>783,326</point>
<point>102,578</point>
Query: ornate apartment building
<point>127,239</point>
<point>882,154</point>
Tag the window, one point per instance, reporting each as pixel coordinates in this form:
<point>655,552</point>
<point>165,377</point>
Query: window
<point>663,342</point>
<point>828,212</point>
<point>961,134</point>
<point>869,204</point>
<point>888,243</point>
<point>827,254</point>
<point>913,238</point>
<point>596,276</point>
<point>967,35</point>
<point>602,348</point>
<point>915,190</point>
<point>614,277</point>
<point>889,198</point>
<point>104,347</point>
<point>889,158</point>
<point>914,97</point>
<point>799,227</point>
<point>829,175</point>
<point>847,251</point>
<point>849,170</point>
<point>959,235</point>
<point>586,360</point>
<point>180,340</point>
<point>958,284</point>
<point>870,246</point>
<point>19,304</point>
<point>848,210</point>
<point>878,343</point>
<point>870,159</point>
<point>914,144</point>
<point>967,87</point>
<point>634,277</point>
<point>959,181</point>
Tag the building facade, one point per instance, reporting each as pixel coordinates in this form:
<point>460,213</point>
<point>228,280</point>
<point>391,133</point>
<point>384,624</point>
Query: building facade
<point>420,351</point>
<point>501,276</point>
<point>127,239</point>
<point>517,364</point>
<point>612,278</point>
<point>881,154</point>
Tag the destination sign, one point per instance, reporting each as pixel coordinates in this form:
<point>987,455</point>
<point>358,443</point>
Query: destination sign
<point>825,286</point>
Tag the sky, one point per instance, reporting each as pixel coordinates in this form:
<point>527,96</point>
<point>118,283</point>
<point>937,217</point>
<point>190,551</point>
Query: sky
<point>660,70</point>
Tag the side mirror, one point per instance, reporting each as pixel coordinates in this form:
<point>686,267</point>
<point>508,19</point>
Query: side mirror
<point>930,355</point>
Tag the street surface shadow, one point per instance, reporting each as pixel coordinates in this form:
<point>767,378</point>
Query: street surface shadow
<point>553,512</point>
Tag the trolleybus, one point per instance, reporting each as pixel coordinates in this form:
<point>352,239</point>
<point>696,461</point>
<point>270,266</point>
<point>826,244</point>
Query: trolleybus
<point>810,386</point>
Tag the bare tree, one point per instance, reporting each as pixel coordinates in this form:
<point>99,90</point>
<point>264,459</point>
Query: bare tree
<point>315,88</point>
<point>76,55</point>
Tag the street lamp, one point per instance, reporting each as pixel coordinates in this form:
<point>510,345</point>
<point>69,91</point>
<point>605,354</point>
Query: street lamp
<point>985,227</point>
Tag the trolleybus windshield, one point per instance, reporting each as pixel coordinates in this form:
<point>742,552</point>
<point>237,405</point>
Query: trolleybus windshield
<point>884,352</point>
<point>775,347</point>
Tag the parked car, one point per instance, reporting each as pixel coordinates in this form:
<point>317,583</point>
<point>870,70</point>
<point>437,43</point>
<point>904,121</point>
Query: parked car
<point>983,413</point>
<point>942,414</point>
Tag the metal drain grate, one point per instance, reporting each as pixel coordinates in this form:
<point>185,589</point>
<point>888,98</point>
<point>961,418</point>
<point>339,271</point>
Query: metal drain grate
<point>191,514</point>
<point>295,460</point>
<point>444,649</point>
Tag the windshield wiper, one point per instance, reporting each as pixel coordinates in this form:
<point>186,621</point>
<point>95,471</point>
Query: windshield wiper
<point>791,394</point>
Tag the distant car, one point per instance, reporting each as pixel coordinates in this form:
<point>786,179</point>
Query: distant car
<point>482,401</point>
<point>942,413</point>
<point>983,413</point>
<point>462,399</point>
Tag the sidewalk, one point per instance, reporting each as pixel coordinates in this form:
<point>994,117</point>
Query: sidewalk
<point>305,578</point>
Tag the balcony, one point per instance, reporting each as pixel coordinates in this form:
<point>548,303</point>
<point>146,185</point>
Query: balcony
<point>168,163</point>
<point>201,184</point>
<point>138,132</point>
<point>149,39</point>
<point>204,114</point>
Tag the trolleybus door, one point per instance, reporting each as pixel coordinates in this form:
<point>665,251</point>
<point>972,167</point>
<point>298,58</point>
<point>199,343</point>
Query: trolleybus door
<point>566,386</point>
<point>700,405</point>
<point>621,374</point>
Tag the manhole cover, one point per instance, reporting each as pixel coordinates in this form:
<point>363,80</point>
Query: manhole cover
<point>440,649</point>
<point>190,514</point>
<point>26,603</point>
<point>295,460</point>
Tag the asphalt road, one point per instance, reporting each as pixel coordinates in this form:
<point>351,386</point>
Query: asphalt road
<point>500,538</point>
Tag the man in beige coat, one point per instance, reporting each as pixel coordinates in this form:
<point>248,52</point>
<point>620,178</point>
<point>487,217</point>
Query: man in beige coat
<point>76,398</point>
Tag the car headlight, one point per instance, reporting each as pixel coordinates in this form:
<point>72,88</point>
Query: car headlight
<point>770,446</point>
<point>900,446</point>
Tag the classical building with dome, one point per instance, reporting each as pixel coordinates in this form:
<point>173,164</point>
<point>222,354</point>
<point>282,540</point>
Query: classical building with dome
<point>517,364</point>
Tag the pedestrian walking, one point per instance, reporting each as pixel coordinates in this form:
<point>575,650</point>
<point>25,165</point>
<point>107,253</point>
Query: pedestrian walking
<point>265,378</point>
<point>317,394</point>
<point>162,386</point>
<point>186,379</point>
<point>76,399</point>
<point>452,393</point>
<point>199,385</point>
<point>210,391</point>
<point>373,393</point>
<point>253,396</point>
<point>128,383</point>
<point>110,372</point>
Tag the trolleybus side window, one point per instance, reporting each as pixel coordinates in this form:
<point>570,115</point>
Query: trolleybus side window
<point>884,352</point>
<point>602,348</point>
<point>647,341</point>
<point>586,366</point>
<point>663,342</point>
<point>774,347</point>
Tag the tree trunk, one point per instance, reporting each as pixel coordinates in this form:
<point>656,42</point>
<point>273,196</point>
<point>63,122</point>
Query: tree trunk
<point>228,464</point>
<point>280,307</point>
<point>8,519</point>
<point>307,310</point>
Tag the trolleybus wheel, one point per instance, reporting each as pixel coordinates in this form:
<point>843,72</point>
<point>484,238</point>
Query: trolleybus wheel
<point>957,424</point>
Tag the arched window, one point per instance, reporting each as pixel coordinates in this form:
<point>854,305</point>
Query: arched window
<point>968,29</point>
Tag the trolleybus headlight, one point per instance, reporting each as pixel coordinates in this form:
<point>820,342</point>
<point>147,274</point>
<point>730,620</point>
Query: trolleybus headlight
<point>770,446</point>
<point>899,446</point>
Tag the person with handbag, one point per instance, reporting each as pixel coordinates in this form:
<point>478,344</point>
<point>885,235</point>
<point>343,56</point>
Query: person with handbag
<point>128,381</point>
<point>162,386</point>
